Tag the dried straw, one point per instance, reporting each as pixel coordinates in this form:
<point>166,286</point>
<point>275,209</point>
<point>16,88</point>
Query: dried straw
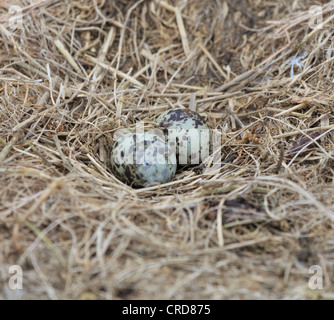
<point>79,70</point>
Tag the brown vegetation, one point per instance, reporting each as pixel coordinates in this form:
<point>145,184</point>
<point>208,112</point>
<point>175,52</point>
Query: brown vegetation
<point>79,70</point>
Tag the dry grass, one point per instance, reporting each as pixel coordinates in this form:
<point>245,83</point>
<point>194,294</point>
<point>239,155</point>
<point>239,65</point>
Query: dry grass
<point>80,70</point>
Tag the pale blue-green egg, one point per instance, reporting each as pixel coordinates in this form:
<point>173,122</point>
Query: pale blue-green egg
<point>142,159</point>
<point>188,133</point>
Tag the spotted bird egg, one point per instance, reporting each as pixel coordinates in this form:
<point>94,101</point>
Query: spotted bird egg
<point>142,159</point>
<point>188,133</point>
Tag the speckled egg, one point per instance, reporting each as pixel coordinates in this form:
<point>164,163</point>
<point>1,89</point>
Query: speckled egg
<point>142,159</point>
<point>188,133</point>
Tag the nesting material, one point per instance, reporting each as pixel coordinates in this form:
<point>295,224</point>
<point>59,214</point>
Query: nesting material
<point>247,223</point>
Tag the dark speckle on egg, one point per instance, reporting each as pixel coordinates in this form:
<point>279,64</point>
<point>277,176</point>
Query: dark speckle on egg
<point>142,159</point>
<point>185,128</point>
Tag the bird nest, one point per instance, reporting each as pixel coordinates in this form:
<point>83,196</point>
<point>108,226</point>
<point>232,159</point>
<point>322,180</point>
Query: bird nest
<point>74,73</point>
